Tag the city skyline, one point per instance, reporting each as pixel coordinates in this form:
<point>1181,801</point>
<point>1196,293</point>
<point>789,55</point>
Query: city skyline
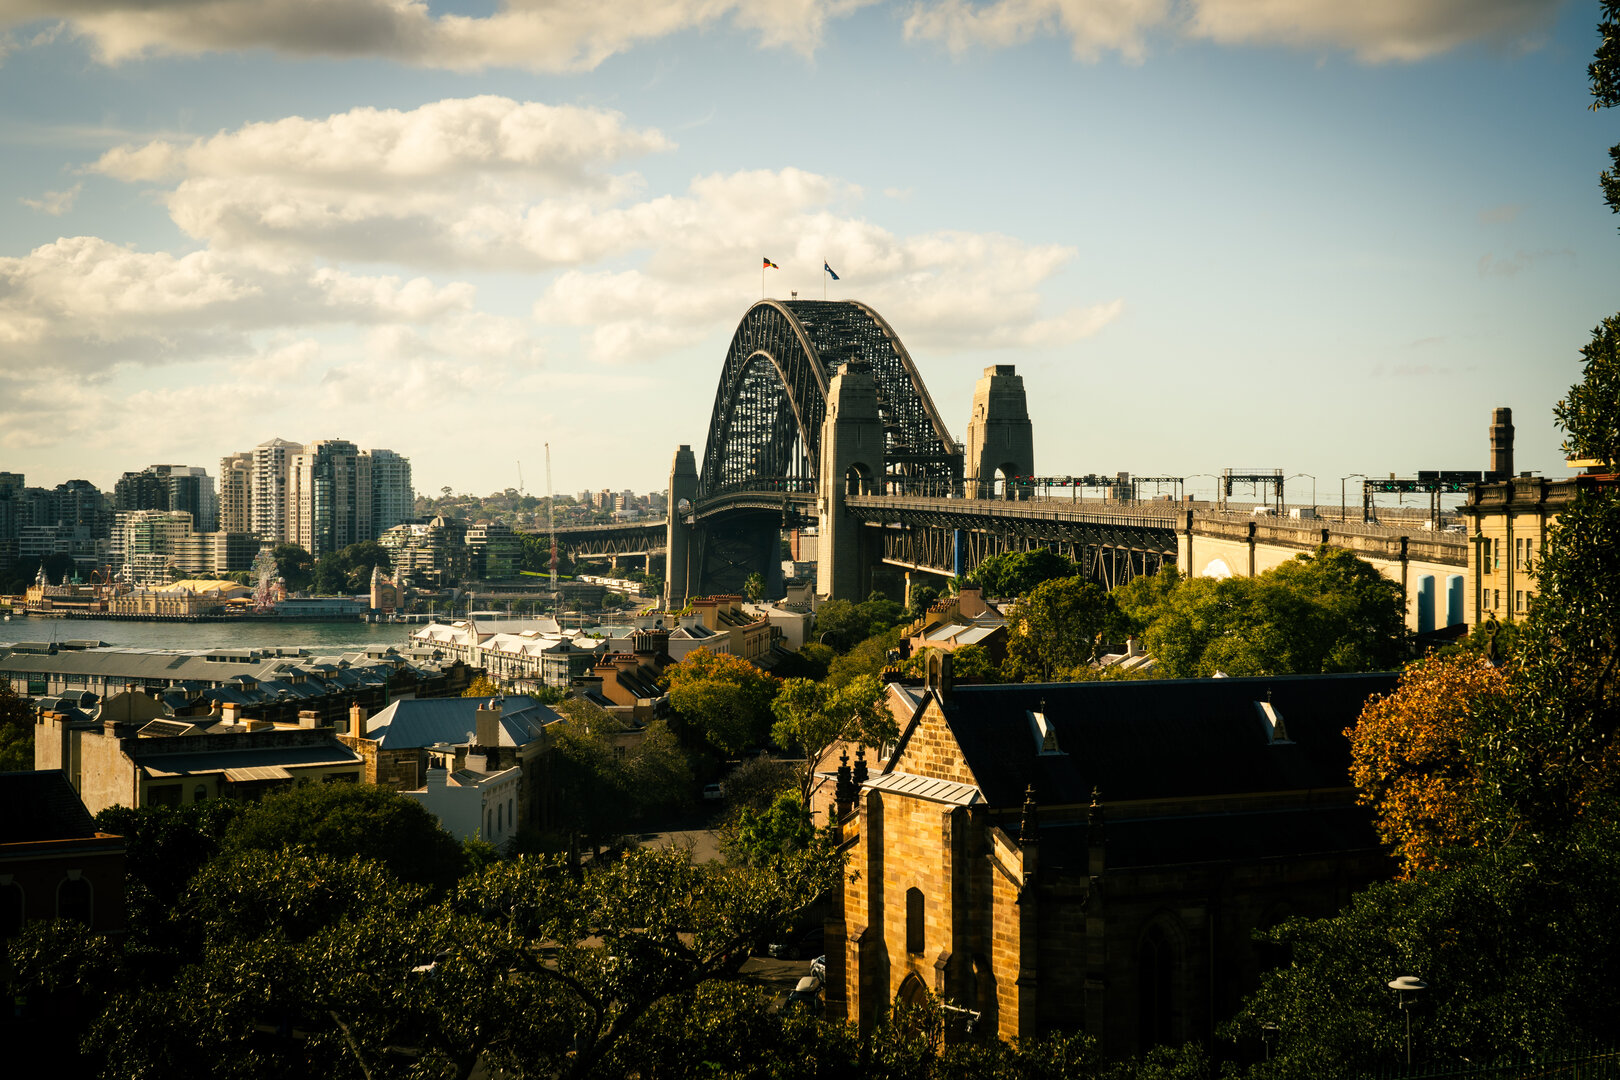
<point>1324,240</point>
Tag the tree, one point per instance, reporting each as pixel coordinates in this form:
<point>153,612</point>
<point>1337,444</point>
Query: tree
<point>764,836</point>
<point>1604,73</point>
<point>1057,628</point>
<point>1516,946</point>
<point>814,716</point>
<point>1141,599</point>
<point>754,587</point>
<point>970,663</point>
<point>1327,611</point>
<point>922,598</point>
<point>347,820</point>
<point>16,731</point>
<point>1412,757</point>
<point>721,698</point>
<point>482,687</point>
<point>1015,573</point>
<point>294,566</point>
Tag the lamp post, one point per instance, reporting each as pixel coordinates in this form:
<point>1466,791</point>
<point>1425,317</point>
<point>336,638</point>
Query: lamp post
<point>1342,479</point>
<point>1197,475</point>
<point>1408,988</point>
<point>1313,488</point>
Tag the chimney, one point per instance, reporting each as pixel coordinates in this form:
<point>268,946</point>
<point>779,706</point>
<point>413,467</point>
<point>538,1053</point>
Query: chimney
<point>488,728</point>
<point>232,712</point>
<point>357,720</point>
<point>970,601</point>
<point>309,718</point>
<point>436,778</point>
<point>1502,443</point>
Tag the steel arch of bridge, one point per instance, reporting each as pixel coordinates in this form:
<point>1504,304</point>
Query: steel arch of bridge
<point>765,430</point>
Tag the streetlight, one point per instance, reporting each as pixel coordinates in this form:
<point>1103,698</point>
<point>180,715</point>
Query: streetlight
<point>1342,479</point>
<point>1196,475</point>
<point>1313,489</point>
<point>1404,986</point>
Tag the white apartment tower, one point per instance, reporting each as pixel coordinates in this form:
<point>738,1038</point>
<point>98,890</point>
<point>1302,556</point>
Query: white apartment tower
<point>236,493</point>
<point>268,516</point>
<point>393,499</point>
<point>329,496</point>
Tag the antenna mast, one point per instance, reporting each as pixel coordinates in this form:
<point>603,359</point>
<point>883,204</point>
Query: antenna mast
<point>551,526</point>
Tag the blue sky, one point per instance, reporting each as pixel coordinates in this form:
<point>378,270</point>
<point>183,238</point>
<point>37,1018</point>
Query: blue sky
<point>1320,237</point>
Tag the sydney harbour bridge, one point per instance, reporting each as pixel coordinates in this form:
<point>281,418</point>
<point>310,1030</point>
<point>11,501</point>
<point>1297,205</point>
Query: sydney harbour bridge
<point>822,418</point>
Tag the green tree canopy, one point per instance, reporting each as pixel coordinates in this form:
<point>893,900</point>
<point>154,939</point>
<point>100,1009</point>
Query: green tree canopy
<point>1015,573</point>
<point>721,699</point>
<point>1328,611</point>
<point>294,566</point>
<point>813,716</point>
<point>16,730</point>
<point>1057,628</point>
<point>347,820</point>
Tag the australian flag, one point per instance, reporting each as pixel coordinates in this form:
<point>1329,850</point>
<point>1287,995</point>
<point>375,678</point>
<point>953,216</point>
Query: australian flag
<point>829,270</point>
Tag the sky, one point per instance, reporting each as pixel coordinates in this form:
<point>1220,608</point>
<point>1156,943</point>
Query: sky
<point>1251,234</point>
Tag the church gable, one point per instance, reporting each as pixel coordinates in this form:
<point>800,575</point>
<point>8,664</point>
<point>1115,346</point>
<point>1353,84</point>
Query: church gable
<point>929,748</point>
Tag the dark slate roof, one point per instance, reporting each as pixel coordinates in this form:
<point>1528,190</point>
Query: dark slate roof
<point>413,722</point>
<point>1160,738</point>
<point>41,806</point>
<point>1206,838</point>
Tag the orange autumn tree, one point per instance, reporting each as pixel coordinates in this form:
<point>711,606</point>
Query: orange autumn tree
<point>1412,757</point>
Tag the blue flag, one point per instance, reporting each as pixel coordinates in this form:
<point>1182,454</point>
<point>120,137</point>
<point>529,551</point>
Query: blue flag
<point>829,270</point>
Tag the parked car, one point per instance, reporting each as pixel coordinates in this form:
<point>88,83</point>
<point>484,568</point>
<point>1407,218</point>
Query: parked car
<point>807,994</point>
<point>714,792</point>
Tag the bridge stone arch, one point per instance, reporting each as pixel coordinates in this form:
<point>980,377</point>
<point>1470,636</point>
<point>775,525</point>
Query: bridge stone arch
<point>771,401</point>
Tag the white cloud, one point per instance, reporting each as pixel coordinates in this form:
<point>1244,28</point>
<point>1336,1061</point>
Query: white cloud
<point>497,185</point>
<point>1375,31</point>
<point>54,203</point>
<point>85,304</point>
<point>540,35</point>
<point>1092,26</point>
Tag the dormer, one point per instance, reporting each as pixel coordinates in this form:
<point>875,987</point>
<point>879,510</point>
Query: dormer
<point>1045,733</point>
<point>1272,721</point>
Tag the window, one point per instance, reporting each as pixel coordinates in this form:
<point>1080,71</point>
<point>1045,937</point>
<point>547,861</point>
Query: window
<point>73,897</point>
<point>1518,599</point>
<point>199,793</point>
<point>1156,973</point>
<point>915,931</point>
<point>163,795</point>
<point>1496,598</point>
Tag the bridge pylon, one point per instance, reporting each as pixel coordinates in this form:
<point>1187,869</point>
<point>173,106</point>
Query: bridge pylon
<point>680,577</point>
<point>999,436</point>
<point>851,464</point>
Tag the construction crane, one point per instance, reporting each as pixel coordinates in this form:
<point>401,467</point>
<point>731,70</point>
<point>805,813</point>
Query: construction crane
<point>551,527</point>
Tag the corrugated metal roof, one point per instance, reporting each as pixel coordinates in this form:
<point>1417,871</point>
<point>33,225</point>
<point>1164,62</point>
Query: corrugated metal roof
<point>218,761</point>
<point>257,772</point>
<point>426,721</point>
<point>926,787</point>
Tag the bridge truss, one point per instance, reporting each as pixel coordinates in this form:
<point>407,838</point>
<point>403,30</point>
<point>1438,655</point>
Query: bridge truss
<point>944,536</point>
<point>765,428</point>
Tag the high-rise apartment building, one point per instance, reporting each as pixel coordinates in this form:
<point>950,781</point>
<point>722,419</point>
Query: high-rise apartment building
<point>144,541</point>
<point>329,496</point>
<point>170,487</point>
<point>393,499</point>
<point>267,517</point>
<point>236,493</point>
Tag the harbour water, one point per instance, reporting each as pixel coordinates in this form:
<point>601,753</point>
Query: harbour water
<point>325,636</point>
